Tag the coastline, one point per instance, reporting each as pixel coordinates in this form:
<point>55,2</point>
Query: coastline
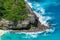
<point>38,30</point>
<point>2,32</point>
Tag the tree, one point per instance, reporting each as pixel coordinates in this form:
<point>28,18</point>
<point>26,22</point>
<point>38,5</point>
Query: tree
<point>13,10</point>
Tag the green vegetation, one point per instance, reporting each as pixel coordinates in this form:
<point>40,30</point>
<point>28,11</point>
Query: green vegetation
<point>13,10</point>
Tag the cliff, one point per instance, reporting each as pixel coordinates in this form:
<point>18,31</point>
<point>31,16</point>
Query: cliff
<point>29,24</point>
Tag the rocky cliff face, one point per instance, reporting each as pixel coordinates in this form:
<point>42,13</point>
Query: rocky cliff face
<point>24,24</point>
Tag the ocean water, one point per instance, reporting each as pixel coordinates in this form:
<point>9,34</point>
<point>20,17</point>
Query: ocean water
<point>49,11</point>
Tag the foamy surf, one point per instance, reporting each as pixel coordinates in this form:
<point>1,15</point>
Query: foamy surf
<point>35,34</point>
<point>27,34</point>
<point>42,19</point>
<point>30,34</point>
<point>50,30</point>
<point>3,32</point>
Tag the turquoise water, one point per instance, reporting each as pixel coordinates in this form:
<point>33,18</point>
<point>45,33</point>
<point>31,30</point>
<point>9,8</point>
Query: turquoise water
<point>51,9</point>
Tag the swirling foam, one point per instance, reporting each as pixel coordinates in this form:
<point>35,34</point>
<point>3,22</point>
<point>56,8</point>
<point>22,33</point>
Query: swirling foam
<point>30,34</point>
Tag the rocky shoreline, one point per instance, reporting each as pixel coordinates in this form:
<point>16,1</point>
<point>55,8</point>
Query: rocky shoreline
<point>30,24</point>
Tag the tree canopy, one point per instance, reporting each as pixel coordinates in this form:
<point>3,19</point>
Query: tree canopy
<point>13,10</point>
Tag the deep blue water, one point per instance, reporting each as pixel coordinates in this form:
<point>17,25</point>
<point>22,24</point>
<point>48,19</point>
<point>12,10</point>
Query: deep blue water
<point>52,9</point>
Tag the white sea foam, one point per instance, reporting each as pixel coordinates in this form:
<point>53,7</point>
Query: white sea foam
<point>3,32</point>
<point>42,10</point>
<point>50,30</point>
<point>30,34</point>
<point>35,34</point>
<point>29,3</point>
<point>42,19</point>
